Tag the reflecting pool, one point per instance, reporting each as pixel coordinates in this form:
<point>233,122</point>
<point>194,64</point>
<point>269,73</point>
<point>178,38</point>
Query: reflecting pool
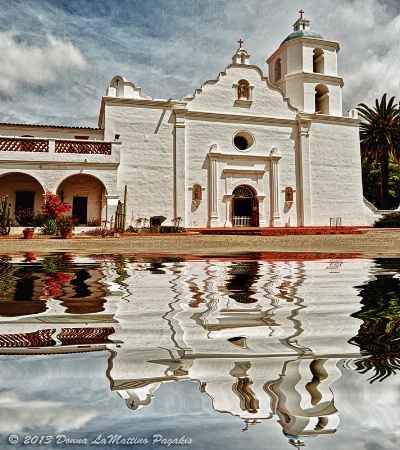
<point>260,351</point>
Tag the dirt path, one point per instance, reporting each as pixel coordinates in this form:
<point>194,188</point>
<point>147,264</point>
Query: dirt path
<point>372,244</point>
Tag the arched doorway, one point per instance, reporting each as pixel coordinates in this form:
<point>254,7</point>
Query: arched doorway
<point>86,194</point>
<point>244,207</point>
<point>23,191</point>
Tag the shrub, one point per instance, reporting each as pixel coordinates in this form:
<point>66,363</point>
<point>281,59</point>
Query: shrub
<point>66,223</point>
<point>52,208</point>
<point>49,227</point>
<point>132,229</point>
<point>93,222</point>
<point>28,218</point>
<point>101,232</point>
<point>25,217</point>
<point>391,220</point>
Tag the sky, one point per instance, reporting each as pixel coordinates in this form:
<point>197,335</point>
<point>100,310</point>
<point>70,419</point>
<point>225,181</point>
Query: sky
<point>59,56</point>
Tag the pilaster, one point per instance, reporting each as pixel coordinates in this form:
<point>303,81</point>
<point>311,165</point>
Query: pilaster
<point>213,187</point>
<point>261,211</point>
<point>275,220</point>
<point>111,208</point>
<point>180,165</point>
<point>304,174</point>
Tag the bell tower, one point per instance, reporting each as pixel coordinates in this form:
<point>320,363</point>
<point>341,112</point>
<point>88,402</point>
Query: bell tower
<point>305,68</point>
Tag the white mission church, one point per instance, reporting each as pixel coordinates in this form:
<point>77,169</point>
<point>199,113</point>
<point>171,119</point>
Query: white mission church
<point>245,150</point>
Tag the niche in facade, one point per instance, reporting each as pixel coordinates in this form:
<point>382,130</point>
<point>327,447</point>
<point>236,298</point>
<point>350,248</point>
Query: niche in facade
<point>289,196</point>
<point>197,194</point>
<point>243,93</point>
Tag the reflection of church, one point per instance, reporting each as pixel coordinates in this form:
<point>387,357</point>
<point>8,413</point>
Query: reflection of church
<point>270,348</point>
<point>244,150</point>
<point>262,339</point>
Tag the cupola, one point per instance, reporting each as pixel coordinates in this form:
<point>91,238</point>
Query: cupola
<point>241,56</point>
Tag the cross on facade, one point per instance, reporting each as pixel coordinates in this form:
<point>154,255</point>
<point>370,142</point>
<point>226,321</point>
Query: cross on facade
<point>117,81</point>
<point>240,42</point>
<point>301,13</point>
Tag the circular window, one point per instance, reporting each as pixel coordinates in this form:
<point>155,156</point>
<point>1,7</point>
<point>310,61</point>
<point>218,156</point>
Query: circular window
<point>243,140</point>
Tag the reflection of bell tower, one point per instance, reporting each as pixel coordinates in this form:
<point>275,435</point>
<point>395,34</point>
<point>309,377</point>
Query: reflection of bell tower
<point>136,398</point>
<point>305,68</point>
<point>305,404</point>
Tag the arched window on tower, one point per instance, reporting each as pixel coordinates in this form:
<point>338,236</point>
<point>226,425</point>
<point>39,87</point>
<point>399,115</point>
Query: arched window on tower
<point>321,99</point>
<point>318,60</point>
<point>278,69</point>
<point>243,90</point>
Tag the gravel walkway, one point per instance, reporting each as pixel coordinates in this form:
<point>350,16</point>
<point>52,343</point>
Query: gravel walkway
<point>372,243</point>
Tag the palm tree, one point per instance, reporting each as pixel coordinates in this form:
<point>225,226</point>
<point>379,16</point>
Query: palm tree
<point>380,139</point>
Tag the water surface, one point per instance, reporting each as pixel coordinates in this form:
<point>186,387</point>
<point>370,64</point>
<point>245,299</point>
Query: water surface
<point>263,351</point>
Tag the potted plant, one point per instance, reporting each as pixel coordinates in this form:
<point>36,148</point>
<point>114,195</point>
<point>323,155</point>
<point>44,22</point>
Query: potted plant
<point>28,233</point>
<point>26,218</point>
<point>65,226</point>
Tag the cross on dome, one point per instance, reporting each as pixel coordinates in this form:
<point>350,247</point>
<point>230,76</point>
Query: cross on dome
<point>240,42</point>
<point>301,13</point>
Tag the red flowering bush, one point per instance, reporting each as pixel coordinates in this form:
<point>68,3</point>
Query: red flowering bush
<point>52,208</point>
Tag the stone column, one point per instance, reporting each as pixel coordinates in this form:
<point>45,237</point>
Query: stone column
<point>213,187</point>
<point>228,203</point>
<point>274,183</point>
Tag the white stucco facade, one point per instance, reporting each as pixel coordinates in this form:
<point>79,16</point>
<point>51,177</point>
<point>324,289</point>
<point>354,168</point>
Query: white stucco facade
<point>245,150</point>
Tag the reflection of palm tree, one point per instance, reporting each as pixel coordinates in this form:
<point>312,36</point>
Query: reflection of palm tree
<point>378,335</point>
<point>380,139</point>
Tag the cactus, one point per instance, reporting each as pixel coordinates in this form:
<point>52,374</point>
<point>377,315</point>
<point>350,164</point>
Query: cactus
<point>120,214</point>
<point>5,216</point>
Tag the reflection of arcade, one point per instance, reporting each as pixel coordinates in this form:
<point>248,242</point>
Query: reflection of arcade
<point>31,290</point>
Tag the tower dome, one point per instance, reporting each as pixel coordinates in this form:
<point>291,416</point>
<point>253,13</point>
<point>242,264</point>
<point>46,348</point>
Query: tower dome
<point>302,30</point>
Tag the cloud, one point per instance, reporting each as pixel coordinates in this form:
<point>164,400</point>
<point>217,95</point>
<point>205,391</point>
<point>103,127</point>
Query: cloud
<point>31,65</point>
<point>170,48</point>
<point>368,60</point>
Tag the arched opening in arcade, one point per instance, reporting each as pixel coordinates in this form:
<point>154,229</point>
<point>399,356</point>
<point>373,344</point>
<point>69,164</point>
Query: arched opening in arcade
<point>245,211</point>
<point>87,195</point>
<point>24,192</point>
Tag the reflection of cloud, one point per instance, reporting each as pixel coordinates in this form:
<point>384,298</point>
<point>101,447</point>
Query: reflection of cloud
<point>17,414</point>
<point>369,412</point>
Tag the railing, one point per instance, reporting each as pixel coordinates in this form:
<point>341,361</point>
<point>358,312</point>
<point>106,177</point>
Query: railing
<point>12,144</point>
<point>24,145</point>
<point>88,148</point>
<point>241,221</point>
<point>335,222</point>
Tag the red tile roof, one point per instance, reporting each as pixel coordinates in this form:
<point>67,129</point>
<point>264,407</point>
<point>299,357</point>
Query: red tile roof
<point>48,126</point>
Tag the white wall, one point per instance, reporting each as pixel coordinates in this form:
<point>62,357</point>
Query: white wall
<point>336,186</point>
<point>147,157</point>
